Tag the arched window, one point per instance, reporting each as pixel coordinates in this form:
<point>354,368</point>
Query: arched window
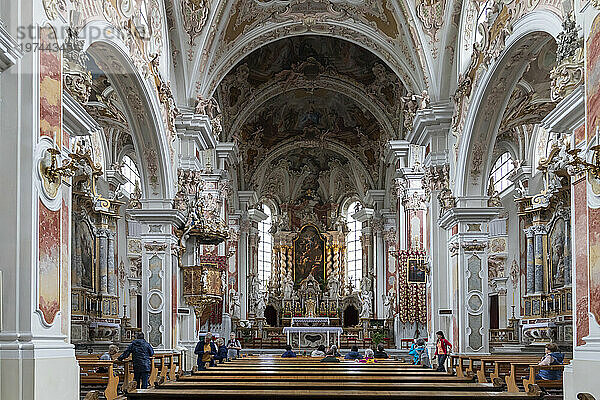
<point>265,246</point>
<point>131,173</point>
<point>500,171</point>
<point>354,250</point>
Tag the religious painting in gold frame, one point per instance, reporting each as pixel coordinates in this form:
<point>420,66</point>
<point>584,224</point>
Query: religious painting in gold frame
<point>309,255</point>
<point>415,270</point>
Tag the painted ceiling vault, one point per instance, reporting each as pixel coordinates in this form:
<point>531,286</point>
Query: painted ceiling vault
<point>311,89</point>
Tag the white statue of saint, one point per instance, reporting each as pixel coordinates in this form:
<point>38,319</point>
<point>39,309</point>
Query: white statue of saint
<point>334,287</point>
<point>288,287</point>
<point>260,306</point>
<point>365,284</point>
<point>388,304</point>
<point>234,304</point>
<point>365,298</point>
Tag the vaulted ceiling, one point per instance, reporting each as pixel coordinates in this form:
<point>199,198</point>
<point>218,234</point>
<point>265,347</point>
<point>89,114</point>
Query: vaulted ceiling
<point>311,88</point>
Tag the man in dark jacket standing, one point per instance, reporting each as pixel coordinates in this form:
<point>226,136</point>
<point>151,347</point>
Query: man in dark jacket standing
<point>141,353</point>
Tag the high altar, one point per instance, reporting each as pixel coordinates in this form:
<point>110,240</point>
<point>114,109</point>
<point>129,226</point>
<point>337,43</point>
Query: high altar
<point>307,293</point>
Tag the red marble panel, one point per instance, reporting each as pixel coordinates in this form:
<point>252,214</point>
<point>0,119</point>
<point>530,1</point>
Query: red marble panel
<point>594,262</point>
<point>580,228</point>
<point>65,280</point>
<point>415,219</point>
<point>592,78</point>
<point>579,134</point>
<point>592,83</point>
<point>49,262</point>
<point>50,86</point>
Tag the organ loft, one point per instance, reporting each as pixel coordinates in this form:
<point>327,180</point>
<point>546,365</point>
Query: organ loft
<point>193,189</point>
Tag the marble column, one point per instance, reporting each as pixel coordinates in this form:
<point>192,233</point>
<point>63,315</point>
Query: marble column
<point>569,258</point>
<point>112,275</point>
<point>539,231</point>
<point>103,260</point>
<point>530,261</point>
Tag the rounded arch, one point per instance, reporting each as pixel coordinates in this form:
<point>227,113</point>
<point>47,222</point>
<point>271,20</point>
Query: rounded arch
<point>491,96</point>
<point>141,106</point>
<point>347,202</point>
<point>412,76</point>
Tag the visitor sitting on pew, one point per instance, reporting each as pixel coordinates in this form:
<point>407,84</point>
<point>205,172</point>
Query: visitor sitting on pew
<point>233,346</point>
<point>221,351</point>
<point>442,348</point>
<point>289,353</point>
<point>111,354</point>
<point>141,353</point>
<point>380,353</point>
<point>552,357</point>
<point>416,350</point>
<point>353,354</point>
<point>331,355</point>
<point>206,351</point>
<point>422,354</point>
<point>318,352</point>
<point>333,349</point>
<point>369,357</point>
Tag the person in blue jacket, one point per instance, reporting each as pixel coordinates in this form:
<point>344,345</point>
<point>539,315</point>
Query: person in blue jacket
<point>221,351</point>
<point>552,357</point>
<point>141,355</point>
<point>206,350</point>
<point>353,354</point>
<point>289,353</point>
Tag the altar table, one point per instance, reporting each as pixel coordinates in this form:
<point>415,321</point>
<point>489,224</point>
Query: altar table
<point>312,329</point>
<point>310,321</point>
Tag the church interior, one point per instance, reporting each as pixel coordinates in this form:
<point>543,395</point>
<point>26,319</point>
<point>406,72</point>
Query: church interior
<point>297,174</point>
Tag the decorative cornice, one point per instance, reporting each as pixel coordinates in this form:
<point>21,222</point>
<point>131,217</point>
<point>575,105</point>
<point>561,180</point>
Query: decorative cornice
<point>473,214</point>
<point>568,114</point>
<point>196,127</point>
<point>436,118</point>
<point>229,152</point>
<point>77,121</point>
<point>165,216</point>
<point>396,150</point>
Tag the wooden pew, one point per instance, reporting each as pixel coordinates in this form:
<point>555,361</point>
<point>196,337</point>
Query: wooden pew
<point>495,365</point>
<point>520,369</point>
<point>270,378</point>
<point>91,377</point>
<point>440,394</point>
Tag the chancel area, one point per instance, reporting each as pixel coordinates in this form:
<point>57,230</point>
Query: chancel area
<point>283,199</point>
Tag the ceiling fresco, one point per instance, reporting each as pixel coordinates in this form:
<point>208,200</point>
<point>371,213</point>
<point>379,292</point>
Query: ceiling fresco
<point>306,115</point>
<point>344,57</point>
<point>308,62</point>
<point>300,88</point>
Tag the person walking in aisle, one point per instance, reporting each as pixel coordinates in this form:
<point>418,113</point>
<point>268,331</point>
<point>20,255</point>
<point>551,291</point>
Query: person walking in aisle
<point>442,349</point>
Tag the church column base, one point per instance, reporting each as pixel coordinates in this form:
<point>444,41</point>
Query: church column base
<point>580,376</point>
<point>38,370</point>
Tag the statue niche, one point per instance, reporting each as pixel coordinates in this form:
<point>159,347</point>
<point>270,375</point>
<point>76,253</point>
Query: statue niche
<point>309,255</point>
